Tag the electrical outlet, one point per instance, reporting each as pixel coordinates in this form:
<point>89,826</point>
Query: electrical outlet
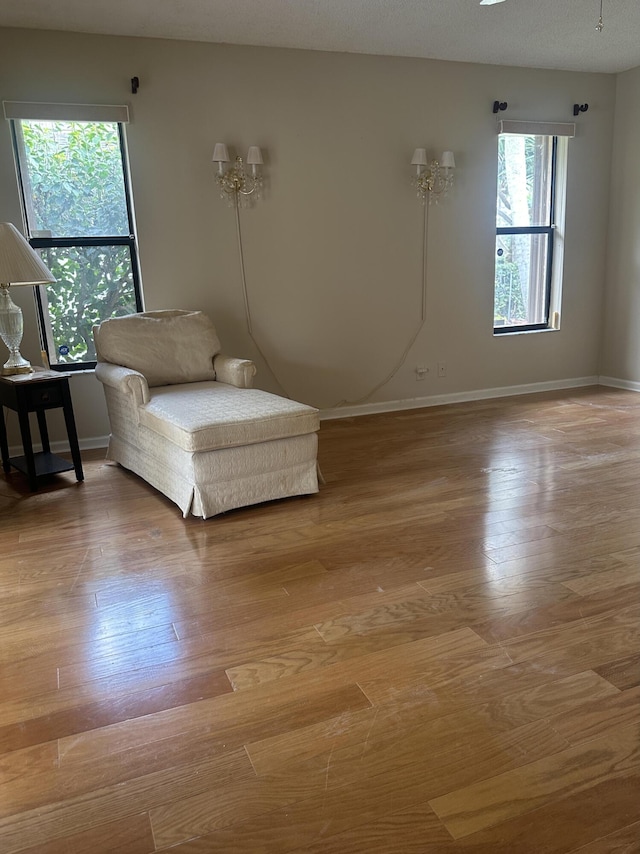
<point>421,372</point>
<point>442,369</point>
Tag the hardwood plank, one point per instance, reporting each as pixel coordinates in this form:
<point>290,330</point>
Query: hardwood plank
<point>92,716</point>
<point>545,568</point>
<point>28,615</point>
<point>132,682</point>
<point>492,801</point>
<point>252,799</point>
<point>447,716</point>
<point>80,810</point>
<point>170,653</point>
<point>254,585</point>
<point>19,772</point>
<point>130,835</point>
<point>466,608</point>
<point>618,630</point>
<point>283,622</point>
<point>402,832</point>
<point>602,581</point>
<point>625,841</point>
<point>376,656</point>
<point>623,673</point>
<point>499,628</point>
<point>630,556</point>
<point>220,723</point>
<point>73,657</point>
<point>596,717</point>
<point>561,826</point>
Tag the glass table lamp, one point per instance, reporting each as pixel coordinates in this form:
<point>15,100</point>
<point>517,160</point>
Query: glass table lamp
<point>19,265</point>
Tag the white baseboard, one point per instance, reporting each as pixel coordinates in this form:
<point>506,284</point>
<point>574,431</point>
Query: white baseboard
<point>456,397</point>
<point>629,385</point>
<point>93,443</point>
<point>63,447</point>
<point>398,405</point>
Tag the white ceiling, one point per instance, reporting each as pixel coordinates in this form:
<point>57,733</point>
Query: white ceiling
<point>532,33</point>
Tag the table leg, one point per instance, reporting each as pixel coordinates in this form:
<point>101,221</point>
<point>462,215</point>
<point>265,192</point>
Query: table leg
<point>44,433</point>
<point>4,444</point>
<point>71,431</point>
<point>25,432</point>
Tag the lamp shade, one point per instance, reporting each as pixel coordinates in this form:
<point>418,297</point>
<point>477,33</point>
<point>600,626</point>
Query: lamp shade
<point>254,156</point>
<point>419,157</point>
<point>19,263</point>
<point>448,160</point>
<point>220,153</point>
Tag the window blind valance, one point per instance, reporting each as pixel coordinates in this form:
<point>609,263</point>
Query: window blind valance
<point>66,112</point>
<point>537,128</point>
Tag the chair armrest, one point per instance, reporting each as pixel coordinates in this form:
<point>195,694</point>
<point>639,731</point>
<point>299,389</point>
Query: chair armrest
<point>124,380</point>
<point>237,372</point>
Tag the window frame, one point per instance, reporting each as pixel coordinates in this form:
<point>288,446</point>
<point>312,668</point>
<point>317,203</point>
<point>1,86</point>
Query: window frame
<point>553,230</point>
<point>130,240</point>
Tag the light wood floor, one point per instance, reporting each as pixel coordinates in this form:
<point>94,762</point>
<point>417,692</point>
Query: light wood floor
<point>439,653</point>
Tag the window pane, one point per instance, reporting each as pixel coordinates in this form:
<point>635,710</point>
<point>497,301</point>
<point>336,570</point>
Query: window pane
<point>73,180</point>
<point>93,284</point>
<point>521,264</point>
<point>524,180</point>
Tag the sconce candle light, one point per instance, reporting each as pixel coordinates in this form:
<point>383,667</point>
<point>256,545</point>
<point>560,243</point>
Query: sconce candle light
<point>235,182</point>
<point>433,180</point>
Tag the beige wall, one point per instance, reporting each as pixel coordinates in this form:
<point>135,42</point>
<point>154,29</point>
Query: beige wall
<point>333,253</point>
<point>621,348</point>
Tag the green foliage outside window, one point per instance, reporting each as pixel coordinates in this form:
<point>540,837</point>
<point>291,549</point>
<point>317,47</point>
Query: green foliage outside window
<point>508,302</point>
<point>93,284</point>
<point>74,188</point>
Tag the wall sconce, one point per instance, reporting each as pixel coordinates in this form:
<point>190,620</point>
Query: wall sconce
<point>433,179</point>
<point>236,184</point>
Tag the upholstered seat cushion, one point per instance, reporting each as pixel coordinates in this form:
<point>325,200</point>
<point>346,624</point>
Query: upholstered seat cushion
<point>207,416</point>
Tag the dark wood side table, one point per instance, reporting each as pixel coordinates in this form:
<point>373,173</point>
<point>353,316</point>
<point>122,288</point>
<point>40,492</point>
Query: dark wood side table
<point>37,392</point>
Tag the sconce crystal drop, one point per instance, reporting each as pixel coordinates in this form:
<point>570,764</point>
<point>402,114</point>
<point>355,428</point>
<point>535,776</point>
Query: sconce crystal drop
<point>238,184</point>
<point>432,180</point>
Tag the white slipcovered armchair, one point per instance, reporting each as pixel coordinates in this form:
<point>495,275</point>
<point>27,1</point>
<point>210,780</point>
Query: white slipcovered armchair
<point>185,418</point>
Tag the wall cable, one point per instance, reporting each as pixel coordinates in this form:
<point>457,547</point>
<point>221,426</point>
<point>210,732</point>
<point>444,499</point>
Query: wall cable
<point>405,353</point>
<point>247,309</point>
<point>412,341</point>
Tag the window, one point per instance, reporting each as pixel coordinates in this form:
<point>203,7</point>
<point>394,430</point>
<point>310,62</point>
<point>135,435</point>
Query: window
<point>529,225</point>
<point>73,177</point>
